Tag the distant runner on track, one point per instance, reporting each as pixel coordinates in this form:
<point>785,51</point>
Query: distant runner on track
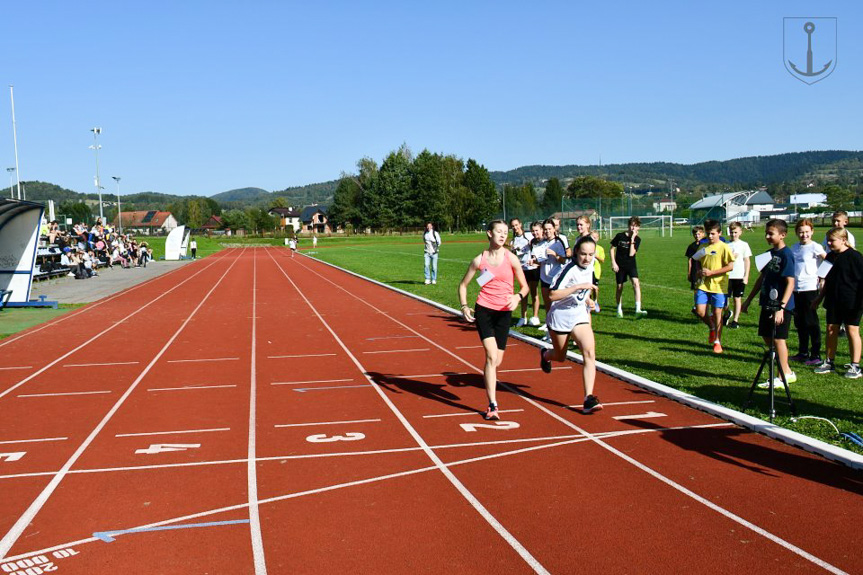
<point>493,311</point>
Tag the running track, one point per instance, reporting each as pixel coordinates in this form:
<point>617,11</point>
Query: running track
<point>254,413</point>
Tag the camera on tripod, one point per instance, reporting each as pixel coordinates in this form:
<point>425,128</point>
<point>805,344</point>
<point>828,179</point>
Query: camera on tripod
<point>773,304</point>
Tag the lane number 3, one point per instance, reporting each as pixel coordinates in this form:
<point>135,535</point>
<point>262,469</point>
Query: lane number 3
<point>323,438</point>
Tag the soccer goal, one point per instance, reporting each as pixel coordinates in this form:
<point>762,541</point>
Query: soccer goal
<point>660,225</point>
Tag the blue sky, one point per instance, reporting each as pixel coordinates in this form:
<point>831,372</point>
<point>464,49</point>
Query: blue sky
<point>201,97</point>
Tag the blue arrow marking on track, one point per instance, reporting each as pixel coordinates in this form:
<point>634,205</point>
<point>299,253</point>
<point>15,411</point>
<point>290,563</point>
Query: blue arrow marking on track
<point>108,536</point>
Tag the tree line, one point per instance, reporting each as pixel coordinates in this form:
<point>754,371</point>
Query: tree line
<point>405,192</point>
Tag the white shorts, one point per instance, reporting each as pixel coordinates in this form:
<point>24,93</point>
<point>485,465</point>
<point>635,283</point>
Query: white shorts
<point>562,320</point>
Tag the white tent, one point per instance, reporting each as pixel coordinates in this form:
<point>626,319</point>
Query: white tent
<point>19,239</point>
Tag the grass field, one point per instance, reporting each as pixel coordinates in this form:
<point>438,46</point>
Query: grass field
<point>668,346</point>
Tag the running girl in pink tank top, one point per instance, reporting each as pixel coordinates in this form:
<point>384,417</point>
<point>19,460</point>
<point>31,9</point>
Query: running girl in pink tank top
<point>497,268</point>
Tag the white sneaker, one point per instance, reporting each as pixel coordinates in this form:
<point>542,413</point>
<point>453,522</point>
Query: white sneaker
<point>434,282</point>
<point>777,381</point>
<point>620,313</point>
<point>546,338</point>
<point>428,282</point>
<point>521,323</point>
<point>534,321</point>
<point>641,312</point>
<point>543,327</point>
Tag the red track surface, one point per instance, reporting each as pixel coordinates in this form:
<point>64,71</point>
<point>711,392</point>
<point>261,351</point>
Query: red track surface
<point>355,406</point>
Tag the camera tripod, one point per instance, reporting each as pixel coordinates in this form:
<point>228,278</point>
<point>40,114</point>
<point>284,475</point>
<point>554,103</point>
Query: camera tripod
<point>769,361</point>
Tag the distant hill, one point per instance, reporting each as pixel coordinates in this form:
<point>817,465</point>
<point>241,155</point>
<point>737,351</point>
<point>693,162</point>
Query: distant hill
<point>750,172</point>
<point>245,195</point>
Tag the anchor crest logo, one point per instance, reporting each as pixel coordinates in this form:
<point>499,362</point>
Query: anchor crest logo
<point>809,48</point>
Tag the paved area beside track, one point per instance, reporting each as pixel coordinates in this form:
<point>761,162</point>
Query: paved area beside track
<point>107,283</point>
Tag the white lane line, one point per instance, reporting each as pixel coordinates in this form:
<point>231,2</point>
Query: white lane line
<point>173,432</point>
<point>94,305</point>
<point>471,346</point>
<point>580,405</point>
<point>190,387</point>
<point>604,434</point>
<point>62,393</point>
<point>302,355</point>
<point>438,463</point>
<point>98,335</point>
<point>555,368</point>
<point>10,441</point>
<point>305,389</point>
<point>27,517</point>
<point>418,375</point>
<point>203,360</point>
<point>473,413</point>
<point>251,454</point>
<point>311,381</point>
<point>17,367</point>
<point>648,415</point>
<point>671,483</point>
<point>101,364</point>
<point>391,337</point>
<point>560,441</point>
<point>396,351</point>
<point>326,423</point>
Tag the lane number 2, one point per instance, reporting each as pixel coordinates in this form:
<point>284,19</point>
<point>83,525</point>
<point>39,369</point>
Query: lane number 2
<point>497,425</point>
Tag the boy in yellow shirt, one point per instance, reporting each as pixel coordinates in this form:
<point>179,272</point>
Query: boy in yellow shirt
<point>717,260</point>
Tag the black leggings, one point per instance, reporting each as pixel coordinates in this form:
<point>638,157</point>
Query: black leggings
<point>807,324</point>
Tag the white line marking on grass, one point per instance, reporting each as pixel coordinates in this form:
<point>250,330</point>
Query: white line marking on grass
<point>722,511</point>
<point>312,381</point>
<point>396,351</point>
<point>203,360</point>
<point>17,367</point>
<point>8,441</point>
<point>59,394</point>
<point>189,387</point>
<point>101,364</point>
<point>27,517</point>
<point>305,355</point>
<point>251,464</point>
<point>460,487</point>
<point>325,423</point>
<point>172,432</point>
<point>473,413</point>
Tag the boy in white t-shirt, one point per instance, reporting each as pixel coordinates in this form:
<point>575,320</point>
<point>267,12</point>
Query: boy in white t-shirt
<point>808,255</point>
<point>840,220</point>
<point>738,277</point>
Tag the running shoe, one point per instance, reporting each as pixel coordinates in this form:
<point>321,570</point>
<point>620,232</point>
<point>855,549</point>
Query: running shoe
<point>813,361</point>
<point>434,282</point>
<point>491,413</point>
<point>534,321</point>
<point>717,347</point>
<point>777,381</point>
<point>826,367</point>
<point>641,312</point>
<point>800,357</point>
<point>733,325</point>
<point>427,282</point>
<point>521,323</point>
<point>694,311</point>
<point>620,313</point>
<point>711,337</point>
<point>543,327</point>
<point>853,372</point>
<point>596,308</point>
<point>544,363</point>
<point>591,404</point>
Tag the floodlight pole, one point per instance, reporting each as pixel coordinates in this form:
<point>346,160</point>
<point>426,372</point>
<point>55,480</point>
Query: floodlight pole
<point>119,211</point>
<point>96,146</point>
<point>15,139</point>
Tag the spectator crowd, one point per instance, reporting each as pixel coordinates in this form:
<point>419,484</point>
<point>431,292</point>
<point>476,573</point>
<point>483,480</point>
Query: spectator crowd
<point>84,250</point>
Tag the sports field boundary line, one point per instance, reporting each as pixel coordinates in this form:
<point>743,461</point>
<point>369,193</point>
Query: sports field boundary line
<point>793,438</point>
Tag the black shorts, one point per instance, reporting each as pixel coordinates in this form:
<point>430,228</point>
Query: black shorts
<point>839,316</point>
<point>629,270</point>
<point>595,279</point>
<point>736,288</point>
<point>545,284</point>
<point>765,325</point>
<point>531,276</point>
<point>493,323</point>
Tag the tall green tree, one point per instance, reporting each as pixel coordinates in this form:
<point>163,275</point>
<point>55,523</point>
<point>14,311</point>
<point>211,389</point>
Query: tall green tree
<point>593,187</point>
<point>389,201</point>
<point>551,200</point>
<point>485,202</point>
<point>838,198</point>
<point>78,211</point>
<point>429,188</point>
